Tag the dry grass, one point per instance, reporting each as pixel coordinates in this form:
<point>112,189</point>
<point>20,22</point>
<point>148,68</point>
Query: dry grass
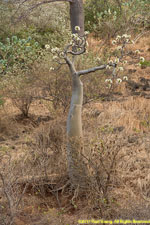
<point>120,185</point>
<point>131,113</point>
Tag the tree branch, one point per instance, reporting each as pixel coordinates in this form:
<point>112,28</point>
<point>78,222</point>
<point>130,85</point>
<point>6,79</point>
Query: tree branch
<point>91,70</point>
<point>48,1</point>
<point>36,5</point>
<point>77,53</point>
<point>70,64</point>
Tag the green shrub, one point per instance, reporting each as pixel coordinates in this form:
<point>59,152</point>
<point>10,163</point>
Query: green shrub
<point>106,18</point>
<point>103,17</point>
<point>17,54</point>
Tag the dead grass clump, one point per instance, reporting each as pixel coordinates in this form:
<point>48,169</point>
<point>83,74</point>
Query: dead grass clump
<point>21,91</point>
<point>7,127</point>
<point>40,172</point>
<point>135,114</point>
<point>132,113</point>
<point>23,104</point>
<point>47,154</point>
<point>103,159</point>
<point>11,193</point>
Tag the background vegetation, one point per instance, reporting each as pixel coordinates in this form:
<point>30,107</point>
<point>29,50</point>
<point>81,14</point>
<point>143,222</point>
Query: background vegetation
<point>34,101</point>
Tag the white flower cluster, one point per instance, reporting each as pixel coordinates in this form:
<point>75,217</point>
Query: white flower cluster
<point>110,62</point>
<point>125,78</point>
<point>51,68</point>
<point>55,50</point>
<point>108,81</point>
<point>108,67</point>
<point>142,59</point>
<point>109,11</point>
<point>119,48</point>
<point>118,37</point>
<point>86,32</point>
<point>76,37</point>
<point>120,68</point>
<point>77,28</point>
<point>118,81</point>
<point>137,51</point>
<point>62,54</point>
<point>138,64</point>
<point>98,59</point>
<point>117,60</point>
<point>124,37</point>
<point>47,47</point>
<point>114,42</point>
<point>55,57</point>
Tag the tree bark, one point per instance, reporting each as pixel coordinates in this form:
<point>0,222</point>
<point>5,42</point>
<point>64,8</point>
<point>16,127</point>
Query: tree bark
<point>77,16</point>
<point>76,167</point>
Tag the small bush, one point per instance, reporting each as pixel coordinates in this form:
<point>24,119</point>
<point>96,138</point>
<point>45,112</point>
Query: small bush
<point>20,90</point>
<point>54,87</point>
<point>47,155</point>
<point>17,55</point>
<point>12,192</point>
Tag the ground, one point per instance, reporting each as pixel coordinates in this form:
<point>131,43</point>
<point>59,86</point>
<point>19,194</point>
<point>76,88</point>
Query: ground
<point>122,122</point>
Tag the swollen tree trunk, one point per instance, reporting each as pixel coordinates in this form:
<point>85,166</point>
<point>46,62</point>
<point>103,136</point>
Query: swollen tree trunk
<point>76,167</point>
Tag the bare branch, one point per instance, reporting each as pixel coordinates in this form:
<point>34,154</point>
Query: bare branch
<point>50,1</point>
<point>70,64</point>
<point>91,70</point>
<point>36,5</point>
<point>77,53</point>
<point>47,1</point>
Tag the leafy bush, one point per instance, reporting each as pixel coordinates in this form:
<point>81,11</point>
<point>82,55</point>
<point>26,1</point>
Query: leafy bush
<point>17,55</point>
<point>103,17</point>
<point>106,18</point>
